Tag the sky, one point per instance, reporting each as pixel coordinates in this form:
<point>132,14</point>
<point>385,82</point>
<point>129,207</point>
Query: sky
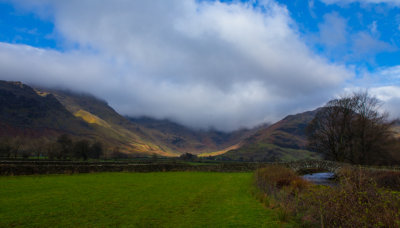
<point>204,63</point>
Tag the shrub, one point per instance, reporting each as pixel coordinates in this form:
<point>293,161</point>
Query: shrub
<point>356,202</point>
<point>96,150</point>
<point>387,179</point>
<point>81,149</point>
<point>276,177</point>
<point>280,186</point>
<point>188,157</point>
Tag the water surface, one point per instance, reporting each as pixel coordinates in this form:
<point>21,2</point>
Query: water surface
<point>321,178</point>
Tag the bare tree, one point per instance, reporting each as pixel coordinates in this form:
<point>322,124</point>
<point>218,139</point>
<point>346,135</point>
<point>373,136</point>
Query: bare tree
<point>53,150</point>
<point>352,129</point>
<point>65,145</point>
<point>5,147</point>
<point>81,149</point>
<point>39,147</point>
<point>16,144</point>
<point>96,150</point>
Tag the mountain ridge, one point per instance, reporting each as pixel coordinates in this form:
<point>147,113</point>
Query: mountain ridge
<point>282,141</point>
<point>86,116</point>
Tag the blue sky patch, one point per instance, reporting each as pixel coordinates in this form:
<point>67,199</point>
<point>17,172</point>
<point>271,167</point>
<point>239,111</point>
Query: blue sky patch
<point>21,27</point>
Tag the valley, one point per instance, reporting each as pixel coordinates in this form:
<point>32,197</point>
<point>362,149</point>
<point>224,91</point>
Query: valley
<point>39,113</point>
<point>200,113</point>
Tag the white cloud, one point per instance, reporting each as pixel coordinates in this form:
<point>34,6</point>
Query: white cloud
<point>311,8</point>
<point>364,45</point>
<point>373,27</point>
<point>392,2</point>
<point>202,64</point>
<point>390,95</point>
<point>343,44</point>
<point>383,83</point>
<point>385,76</point>
<point>333,31</point>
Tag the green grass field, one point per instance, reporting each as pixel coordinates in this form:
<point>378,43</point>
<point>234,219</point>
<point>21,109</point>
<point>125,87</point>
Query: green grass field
<point>171,199</point>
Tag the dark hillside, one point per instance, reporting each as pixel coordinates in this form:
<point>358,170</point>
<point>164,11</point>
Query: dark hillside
<point>22,109</point>
<point>282,141</point>
<point>144,135</point>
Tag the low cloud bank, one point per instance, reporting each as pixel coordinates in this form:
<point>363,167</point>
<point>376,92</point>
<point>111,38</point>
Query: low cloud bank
<point>203,64</point>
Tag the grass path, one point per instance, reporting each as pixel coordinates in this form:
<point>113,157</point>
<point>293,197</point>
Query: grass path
<point>174,199</point>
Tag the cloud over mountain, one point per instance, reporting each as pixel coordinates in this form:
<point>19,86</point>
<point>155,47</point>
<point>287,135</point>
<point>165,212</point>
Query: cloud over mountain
<point>204,64</point>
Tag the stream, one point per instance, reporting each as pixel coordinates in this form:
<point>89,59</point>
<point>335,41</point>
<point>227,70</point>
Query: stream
<point>321,178</point>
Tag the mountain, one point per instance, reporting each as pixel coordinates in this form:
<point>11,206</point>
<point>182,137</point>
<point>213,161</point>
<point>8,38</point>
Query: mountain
<point>108,124</point>
<point>41,112</point>
<point>147,135</point>
<point>183,139</point>
<point>25,112</point>
<point>396,128</point>
<point>282,141</point>
<point>48,113</point>
<point>144,134</point>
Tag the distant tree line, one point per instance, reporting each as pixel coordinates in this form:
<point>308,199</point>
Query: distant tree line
<point>353,129</point>
<point>64,148</point>
<point>188,157</point>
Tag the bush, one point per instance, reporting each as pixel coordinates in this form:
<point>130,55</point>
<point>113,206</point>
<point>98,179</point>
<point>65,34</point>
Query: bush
<point>357,202</point>
<point>96,150</point>
<point>274,177</point>
<point>386,179</point>
<point>279,186</point>
<point>81,149</point>
<point>362,199</point>
<point>65,147</point>
<point>188,157</point>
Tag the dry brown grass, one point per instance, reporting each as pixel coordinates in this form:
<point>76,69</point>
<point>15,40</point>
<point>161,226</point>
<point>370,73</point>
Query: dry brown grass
<point>274,178</point>
<point>386,179</point>
<point>358,201</point>
<point>279,186</point>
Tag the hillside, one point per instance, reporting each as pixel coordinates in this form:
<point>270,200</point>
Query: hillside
<point>282,141</point>
<point>48,113</point>
<point>38,112</point>
<point>25,112</point>
<point>396,128</point>
<point>146,135</point>
<point>109,125</point>
<point>184,139</point>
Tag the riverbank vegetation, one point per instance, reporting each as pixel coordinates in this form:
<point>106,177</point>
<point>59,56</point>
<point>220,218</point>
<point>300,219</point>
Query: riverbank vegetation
<point>362,198</point>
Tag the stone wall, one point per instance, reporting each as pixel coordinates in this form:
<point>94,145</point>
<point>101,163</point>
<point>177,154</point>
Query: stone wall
<point>29,168</point>
<point>68,167</point>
